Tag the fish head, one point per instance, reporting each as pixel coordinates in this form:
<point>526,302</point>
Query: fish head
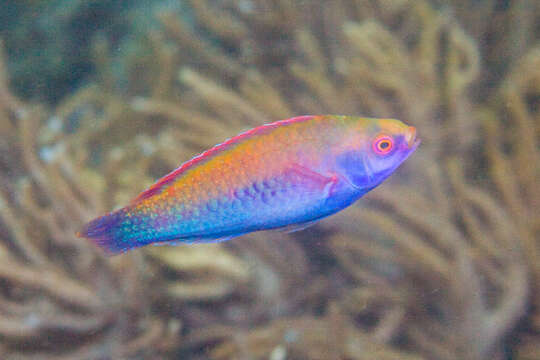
<point>375,150</point>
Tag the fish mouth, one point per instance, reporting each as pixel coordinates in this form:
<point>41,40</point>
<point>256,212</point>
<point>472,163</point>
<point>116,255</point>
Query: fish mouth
<point>412,140</point>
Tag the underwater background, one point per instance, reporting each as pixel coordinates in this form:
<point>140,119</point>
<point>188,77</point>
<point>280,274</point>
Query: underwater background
<point>100,98</point>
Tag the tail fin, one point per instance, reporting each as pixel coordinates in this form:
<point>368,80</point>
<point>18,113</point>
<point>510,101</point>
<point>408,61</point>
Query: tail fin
<point>107,233</point>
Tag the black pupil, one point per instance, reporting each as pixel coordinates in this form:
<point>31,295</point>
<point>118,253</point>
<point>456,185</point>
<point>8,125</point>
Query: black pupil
<point>384,145</point>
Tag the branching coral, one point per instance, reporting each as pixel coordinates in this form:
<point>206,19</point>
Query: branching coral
<point>331,337</point>
<point>452,265</point>
<point>54,286</point>
<point>200,262</point>
<point>441,262</point>
<point>512,151</point>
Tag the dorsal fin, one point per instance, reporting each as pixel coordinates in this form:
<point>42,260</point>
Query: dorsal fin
<point>172,176</point>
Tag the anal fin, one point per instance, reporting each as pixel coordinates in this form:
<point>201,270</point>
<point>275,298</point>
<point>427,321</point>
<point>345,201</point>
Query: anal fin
<point>193,241</point>
<point>296,227</point>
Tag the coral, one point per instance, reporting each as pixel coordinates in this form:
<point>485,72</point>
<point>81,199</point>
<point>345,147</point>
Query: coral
<point>330,337</point>
<point>54,286</point>
<point>439,262</point>
<point>512,130</point>
<point>214,272</point>
<point>451,264</point>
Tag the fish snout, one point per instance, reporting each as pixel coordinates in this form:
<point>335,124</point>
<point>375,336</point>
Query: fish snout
<point>410,137</point>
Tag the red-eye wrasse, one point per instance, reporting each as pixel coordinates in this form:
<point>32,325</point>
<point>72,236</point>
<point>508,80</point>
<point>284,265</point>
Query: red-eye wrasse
<point>287,174</point>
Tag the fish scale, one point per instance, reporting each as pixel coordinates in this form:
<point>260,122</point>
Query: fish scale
<point>281,175</point>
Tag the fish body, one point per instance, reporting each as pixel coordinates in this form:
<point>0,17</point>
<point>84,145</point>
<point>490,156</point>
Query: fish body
<point>287,174</point>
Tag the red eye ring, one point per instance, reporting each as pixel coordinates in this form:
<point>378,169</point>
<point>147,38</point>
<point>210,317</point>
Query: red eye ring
<point>383,144</point>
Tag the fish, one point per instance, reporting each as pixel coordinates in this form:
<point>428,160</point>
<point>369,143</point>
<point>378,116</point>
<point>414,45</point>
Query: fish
<point>286,175</point>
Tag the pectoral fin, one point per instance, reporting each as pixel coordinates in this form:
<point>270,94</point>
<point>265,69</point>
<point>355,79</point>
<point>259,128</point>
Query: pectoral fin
<point>314,179</point>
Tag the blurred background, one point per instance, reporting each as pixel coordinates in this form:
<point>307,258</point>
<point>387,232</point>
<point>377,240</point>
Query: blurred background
<point>99,98</point>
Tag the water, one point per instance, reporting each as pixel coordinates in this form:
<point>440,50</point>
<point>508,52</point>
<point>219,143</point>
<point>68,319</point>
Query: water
<point>99,99</point>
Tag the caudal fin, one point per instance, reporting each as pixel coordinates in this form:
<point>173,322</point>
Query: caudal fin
<point>107,233</point>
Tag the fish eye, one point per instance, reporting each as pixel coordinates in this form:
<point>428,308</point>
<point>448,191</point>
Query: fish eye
<point>383,144</point>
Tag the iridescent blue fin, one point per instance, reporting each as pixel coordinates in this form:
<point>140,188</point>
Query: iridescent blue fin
<point>106,232</point>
